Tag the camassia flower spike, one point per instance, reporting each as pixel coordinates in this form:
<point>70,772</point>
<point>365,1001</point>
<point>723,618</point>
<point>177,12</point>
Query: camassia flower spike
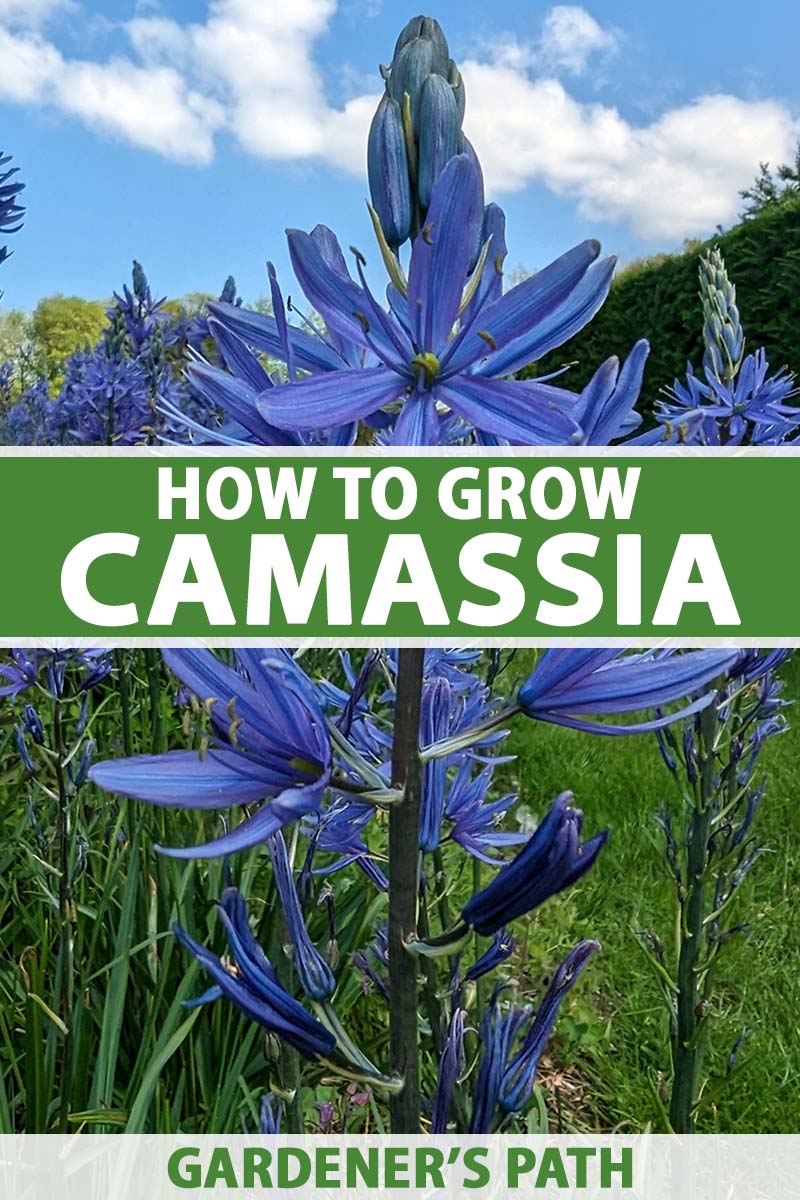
<point>412,363</point>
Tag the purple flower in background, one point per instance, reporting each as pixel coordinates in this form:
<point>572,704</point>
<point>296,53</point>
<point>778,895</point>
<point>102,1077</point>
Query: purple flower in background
<point>498,1032</point>
<point>450,1066</point>
<point>501,949</point>
<point>19,671</point>
<point>552,860</point>
<point>606,408</point>
<point>315,975</point>
<point>270,744</point>
<point>271,1112</point>
<point>251,984</point>
<point>570,685</point>
<point>11,211</point>
<point>506,1077</point>
<point>476,820</point>
<point>518,1078</point>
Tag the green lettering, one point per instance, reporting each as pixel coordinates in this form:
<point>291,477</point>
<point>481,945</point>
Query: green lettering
<point>256,1167</point>
<point>552,1169</point>
<point>480,1172</point>
<point>181,1173</point>
<point>220,1169</point>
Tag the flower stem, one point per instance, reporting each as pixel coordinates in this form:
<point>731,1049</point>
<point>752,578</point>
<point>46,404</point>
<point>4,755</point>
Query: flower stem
<point>404,892</point>
<point>123,685</point>
<point>689,1042</point>
<point>64,918</point>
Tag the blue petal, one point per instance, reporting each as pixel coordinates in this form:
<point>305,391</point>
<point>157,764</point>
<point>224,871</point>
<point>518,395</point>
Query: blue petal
<point>261,332</point>
<point>557,327</point>
<point>323,401</point>
<point>509,408</point>
<point>518,315</point>
<point>440,260</point>
<point>341,302</point>
<point>288,806</point>
<point>238,357</point>
<point>181,779</point>
<point>238,401</point>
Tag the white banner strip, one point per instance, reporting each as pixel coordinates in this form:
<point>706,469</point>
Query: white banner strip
<point>353,1167</point>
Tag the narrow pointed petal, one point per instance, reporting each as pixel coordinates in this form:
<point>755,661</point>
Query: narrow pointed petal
<point>440,260</point>
<point>238,357</point>
<point>181,779</point>
<point>340,301</point>
<point>238,401</point>
<point>517,316</point>
<point>261,332</point>
<point>271,817</point>
<point>557,327</point>
<point>509,408</point>
<point>338,398</point>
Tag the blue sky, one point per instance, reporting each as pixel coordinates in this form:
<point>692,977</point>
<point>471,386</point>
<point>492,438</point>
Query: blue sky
<point>189,135</point>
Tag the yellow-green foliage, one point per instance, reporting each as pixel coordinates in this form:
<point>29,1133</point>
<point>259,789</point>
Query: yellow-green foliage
<point>61,325</point>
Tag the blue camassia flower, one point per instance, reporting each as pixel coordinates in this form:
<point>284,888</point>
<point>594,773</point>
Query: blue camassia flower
<point>11,211</point>
<point>553,859</point>
<point>569,685</point>
<point>476,821</point>
<point>451,1065</point>
<point>270,743</point>
<point>314,973</point>
<point>403,367</point>
<point>518,1078</point>
<point>752,409</point>
<point>505,1077</point>
<point>250,983</point>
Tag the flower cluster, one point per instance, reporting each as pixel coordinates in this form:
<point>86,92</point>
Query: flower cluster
<point>11,211</point>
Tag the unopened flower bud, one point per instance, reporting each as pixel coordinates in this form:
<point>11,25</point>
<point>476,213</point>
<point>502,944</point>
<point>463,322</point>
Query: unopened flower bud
<point>387,166</point>
<point>410,68</point>
<point>33,724</point>
<point>439,131</point>
<point>431,30</point>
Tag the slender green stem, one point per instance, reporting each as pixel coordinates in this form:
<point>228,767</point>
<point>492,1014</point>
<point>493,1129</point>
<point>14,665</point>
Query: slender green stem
<point>152,661</point>
<point>689,1042</point>
<point>404,892</point>
<point>65,918</point>
<point>124,686</point>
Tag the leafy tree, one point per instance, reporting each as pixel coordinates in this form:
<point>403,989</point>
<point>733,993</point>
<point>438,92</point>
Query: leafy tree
<point>768,190</point>
<point>61,325</point>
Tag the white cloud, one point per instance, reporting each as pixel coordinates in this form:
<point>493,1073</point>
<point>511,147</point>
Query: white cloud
<point>678,176</point>
<point>153,108</point>
<point>249,70</point>
<point>29,14</point>
<point>570,36</point>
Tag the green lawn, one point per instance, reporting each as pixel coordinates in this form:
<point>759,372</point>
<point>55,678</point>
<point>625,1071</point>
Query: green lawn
<point>615,1030</point>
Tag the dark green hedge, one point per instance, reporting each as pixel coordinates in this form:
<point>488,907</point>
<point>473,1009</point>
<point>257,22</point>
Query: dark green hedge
<point>658,299</point>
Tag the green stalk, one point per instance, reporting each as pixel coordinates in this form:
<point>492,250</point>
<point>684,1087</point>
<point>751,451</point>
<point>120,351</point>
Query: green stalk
<point>152,661</point>
<point>689,1040</point>
<point>124,687</point>
<point>404,893</point>
<point>64,919</point>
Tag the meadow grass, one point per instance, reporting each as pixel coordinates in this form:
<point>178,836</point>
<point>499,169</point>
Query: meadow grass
<point>615,1031</point>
